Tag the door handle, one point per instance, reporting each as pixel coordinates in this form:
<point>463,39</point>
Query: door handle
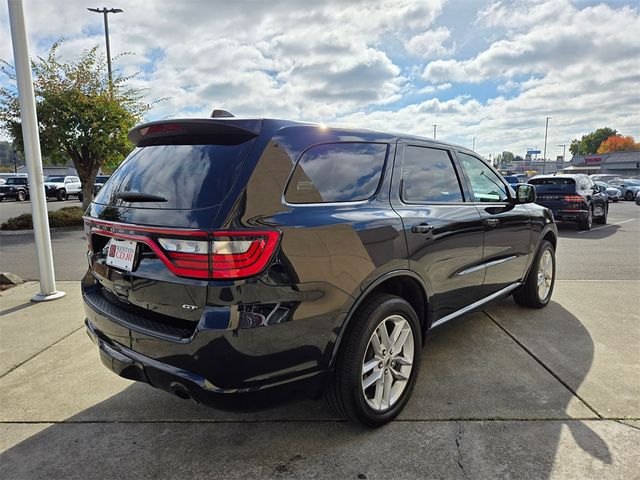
<point>491,222</point>
<point>422,228</point>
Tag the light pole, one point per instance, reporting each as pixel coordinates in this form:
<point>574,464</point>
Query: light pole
<point>105,11</point>
<point>474,144</point>
<point>435,127</point>
<point>544,155</point>
<point>32,154</point>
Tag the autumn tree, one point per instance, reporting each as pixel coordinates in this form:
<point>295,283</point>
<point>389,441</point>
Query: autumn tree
<point>590,142</point>
<point>618,143</point>
<point>79,115</point>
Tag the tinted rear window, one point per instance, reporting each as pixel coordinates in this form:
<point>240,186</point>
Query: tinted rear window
<point>337,172</point>
<point>553,184</point>
<point>187,176</point>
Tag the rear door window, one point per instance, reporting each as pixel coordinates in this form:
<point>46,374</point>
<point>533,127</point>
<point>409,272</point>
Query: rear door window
<point>185,176</point>
<point>428,176</point>
<point>337,172</point>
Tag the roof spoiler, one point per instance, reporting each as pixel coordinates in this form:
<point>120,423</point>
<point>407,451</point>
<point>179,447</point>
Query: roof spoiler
<point>195,131</point>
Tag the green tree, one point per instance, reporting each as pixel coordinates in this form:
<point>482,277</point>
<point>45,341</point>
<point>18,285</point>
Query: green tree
<point>589,143</point>
<point>80,116</point>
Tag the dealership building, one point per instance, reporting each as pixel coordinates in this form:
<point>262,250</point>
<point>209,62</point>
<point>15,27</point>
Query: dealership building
<point>624,164</point>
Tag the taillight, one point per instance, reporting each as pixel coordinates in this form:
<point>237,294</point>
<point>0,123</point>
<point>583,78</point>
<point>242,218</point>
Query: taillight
<point>227,255</point>
<point>573,199</point>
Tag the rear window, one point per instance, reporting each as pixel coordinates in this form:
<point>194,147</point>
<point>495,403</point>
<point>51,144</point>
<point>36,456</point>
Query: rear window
<point>337,172</point>
<point>186,176</point>
<point>553,184</point>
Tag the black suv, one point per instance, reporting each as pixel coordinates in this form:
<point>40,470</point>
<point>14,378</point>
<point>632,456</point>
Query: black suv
<point>235,258</point>
<point>15,187</point>
<point>572,198</point>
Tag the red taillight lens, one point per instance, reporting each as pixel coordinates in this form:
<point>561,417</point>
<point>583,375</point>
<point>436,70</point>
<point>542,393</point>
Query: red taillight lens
<point>573,198</point>
<point>226,255</point>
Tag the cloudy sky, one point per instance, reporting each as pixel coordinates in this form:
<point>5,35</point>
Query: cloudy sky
<point>488,69</point>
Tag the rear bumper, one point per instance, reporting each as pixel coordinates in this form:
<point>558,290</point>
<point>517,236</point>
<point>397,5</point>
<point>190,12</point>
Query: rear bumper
<point>188,385</point>
<point>570,215</point>
<point>230,368</point>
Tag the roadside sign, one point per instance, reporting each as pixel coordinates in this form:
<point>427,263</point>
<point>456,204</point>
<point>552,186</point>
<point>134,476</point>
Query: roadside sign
<point>534,152</point>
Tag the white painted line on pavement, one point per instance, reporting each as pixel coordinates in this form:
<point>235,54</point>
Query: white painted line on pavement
<point>609,225</point>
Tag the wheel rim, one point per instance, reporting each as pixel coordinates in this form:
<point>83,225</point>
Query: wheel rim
<point>387,363</point>
<point>599,211</point>
<point>545,275</point>
<point>590,218</point>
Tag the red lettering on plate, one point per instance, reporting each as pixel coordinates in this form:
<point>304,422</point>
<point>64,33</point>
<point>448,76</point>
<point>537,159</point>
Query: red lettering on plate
<point>112,250</point>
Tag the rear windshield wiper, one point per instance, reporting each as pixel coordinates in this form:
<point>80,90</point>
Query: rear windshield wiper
<point>139,197</point>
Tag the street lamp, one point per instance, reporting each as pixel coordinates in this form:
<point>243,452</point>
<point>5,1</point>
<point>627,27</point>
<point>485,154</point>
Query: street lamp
<point>105,11</point>
<point>544,155</point>
<point>435,127</point>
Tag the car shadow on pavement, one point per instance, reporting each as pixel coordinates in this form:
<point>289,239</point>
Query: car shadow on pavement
<point>485,371</point>
<point>598,232</point>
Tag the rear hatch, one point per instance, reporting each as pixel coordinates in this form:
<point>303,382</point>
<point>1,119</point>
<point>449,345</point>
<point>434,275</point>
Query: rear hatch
<point>162,220</point>
<point>557,193</point>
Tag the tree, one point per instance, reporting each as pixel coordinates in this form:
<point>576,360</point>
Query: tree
<point>618,143</point>
<point>590,142</point>
<point>79,115</point>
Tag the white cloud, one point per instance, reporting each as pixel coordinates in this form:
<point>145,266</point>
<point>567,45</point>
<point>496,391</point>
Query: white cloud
<point>430,44</point>
<point>390,64</point>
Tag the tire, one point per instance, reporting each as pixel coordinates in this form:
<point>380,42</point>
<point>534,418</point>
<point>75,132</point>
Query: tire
<point>531,293</point>
<point>347,394</point>
<point>61,195</point>
<point>629,195</point>
<point>602,219</point>
<point>22,196</point>
<point>615,200</point>
<point>80,197</point>
<point>587,223</point>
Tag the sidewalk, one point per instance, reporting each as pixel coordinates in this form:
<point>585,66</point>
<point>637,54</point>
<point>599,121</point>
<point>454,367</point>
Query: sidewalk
<point>506,393</point>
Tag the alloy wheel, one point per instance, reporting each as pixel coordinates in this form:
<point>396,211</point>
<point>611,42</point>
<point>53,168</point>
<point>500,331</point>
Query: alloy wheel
<point>387,363</point>
<point>545,275</point>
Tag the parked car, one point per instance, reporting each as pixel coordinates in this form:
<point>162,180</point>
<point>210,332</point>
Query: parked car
<point>604,177</point>
<point>572,198</point>
<point>15,187</point>
<point>100,181</point>
<point>628,187</point>
<point>637,199</point>
<point>232,259</point>
<point>512,180</point>
<point>613,193</point>
<point>61,187</point>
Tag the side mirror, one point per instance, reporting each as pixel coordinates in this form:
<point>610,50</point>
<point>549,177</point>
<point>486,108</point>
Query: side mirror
<point>525,193</point>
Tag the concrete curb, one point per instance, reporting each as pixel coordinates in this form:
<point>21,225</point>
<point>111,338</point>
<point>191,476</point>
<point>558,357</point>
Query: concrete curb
<point>7,233</point>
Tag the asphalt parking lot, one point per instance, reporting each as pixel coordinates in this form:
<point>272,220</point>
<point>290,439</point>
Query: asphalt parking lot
<point>503,393</point>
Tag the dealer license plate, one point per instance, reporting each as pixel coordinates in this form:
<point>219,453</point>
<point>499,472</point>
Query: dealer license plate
<point>121,253</point>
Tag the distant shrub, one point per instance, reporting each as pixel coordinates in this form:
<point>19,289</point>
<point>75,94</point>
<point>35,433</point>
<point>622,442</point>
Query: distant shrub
<point>65,217</point>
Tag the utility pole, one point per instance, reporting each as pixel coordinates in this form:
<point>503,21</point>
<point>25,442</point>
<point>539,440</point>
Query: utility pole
<point>544,155</point>
<point>33,157</point>
<point>435,128</point>
<point>105,12</point>
<point>474,144</point>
